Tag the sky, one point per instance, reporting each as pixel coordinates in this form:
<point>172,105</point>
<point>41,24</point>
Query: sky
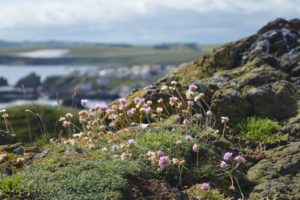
<point>139,21</point>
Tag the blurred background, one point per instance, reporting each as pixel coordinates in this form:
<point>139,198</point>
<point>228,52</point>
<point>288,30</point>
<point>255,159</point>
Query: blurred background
<point>62,51</point>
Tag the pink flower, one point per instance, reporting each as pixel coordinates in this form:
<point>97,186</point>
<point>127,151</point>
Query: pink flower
<point>159,109</point>
<point>223,165</point>
<point>240,159</point>
<point>103,107</point>
<point>84,102</point>
<point>163,162</point>
<point>109,111</point>
<point>173,100</point>
<point>193,87</point>
<point>130,112</point>
<point>224,120</point>
<point>122,106</point>
<point>227,156</point>
<point>178,142</point>
<point>122,101</point>
<point>146,110</point>
<point>66,124</point>
<point>160,153</point>
<point>208,113</point>
<point>115,148</point>
<point>131,141</point>
<point>188,138</point>
<point>205,186</point>
<point>149,103</point>
<point>190,103</point>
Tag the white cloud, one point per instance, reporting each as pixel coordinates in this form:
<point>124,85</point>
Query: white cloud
<point>41,13</point>
<point>98,19</point>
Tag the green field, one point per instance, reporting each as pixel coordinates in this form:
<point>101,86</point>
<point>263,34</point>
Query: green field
<point>113,54</point>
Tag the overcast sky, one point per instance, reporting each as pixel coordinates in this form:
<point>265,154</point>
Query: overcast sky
<point>139,21</point>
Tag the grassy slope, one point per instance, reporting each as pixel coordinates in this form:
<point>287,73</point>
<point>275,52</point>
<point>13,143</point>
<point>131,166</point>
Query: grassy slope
<point>122,54</point>
<point>24,122</point>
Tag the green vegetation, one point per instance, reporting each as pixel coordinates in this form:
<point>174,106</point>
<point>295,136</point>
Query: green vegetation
<point>198,193</point>
<point>33,122</point>
<point>10,184</point>
<point>117,55</point>
<point>110,149</point>
<point>164,141</point>
<point>261,130</point>
<point>72,178</point>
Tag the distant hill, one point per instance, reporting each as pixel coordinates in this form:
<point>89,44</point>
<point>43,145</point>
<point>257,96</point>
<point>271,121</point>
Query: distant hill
<point>77,53</point>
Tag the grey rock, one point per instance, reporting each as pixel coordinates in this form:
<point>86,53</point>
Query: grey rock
<point>6,138</point>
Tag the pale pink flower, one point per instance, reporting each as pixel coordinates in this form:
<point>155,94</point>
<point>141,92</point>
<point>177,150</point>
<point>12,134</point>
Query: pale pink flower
<point>163,162</point>
<point>146,110</point>
<point>205,186</point>
<point>149,103</point>
<point>84,102</point>
<point>103,107</point>
<point>159,109</point>
<point>178,142</point>
<point>223,165</point>
<point>224,120</point>
<point>66,124</point>
<point>173,100</point>
<point>115,148</point>
<point>130,112</point>
<point>131,141</point>
<point>188,138</point>
<point>193,87</point>
<point>109,111</point>
<point>190,103</point>
<point>122,101</point>
<point>160,153</point>
<point>208,113</point>
<point>240,159</point>
<point>227,156</point>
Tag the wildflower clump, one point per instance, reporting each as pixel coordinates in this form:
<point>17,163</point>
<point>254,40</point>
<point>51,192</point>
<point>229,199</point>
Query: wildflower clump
<point>135,130</point>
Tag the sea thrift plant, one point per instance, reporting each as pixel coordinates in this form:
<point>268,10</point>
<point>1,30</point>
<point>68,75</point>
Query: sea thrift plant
<point>118,129</point>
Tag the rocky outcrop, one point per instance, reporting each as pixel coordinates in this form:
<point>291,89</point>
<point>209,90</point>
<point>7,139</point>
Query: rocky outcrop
<point>258,75</point>
<point>30,81</point>
<point>277,176</point>
<point>255,76</point>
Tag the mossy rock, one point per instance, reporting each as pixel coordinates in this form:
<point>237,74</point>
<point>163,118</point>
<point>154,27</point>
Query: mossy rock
<point>228,102</point>
<point>277,176</point>
<point>275,101</point>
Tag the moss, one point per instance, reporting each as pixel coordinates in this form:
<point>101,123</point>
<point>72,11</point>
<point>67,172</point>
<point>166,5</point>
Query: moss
<point>12,185</point>
<point>74,178</point>
<point>197,193</point>
<point>261,130</point>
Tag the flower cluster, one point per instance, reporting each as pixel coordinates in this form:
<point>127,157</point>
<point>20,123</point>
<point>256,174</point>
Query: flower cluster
<point>228,157</point>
